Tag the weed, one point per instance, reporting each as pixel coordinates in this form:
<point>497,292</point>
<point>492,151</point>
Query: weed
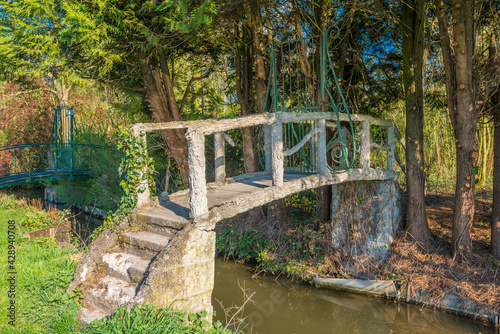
<point>36,220</point>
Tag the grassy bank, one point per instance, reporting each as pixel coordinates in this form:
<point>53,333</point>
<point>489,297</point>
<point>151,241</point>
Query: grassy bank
<point>43,272</point>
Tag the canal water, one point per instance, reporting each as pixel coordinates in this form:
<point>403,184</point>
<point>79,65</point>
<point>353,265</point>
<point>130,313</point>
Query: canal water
<point>82,223</point>
<point>278,305</point>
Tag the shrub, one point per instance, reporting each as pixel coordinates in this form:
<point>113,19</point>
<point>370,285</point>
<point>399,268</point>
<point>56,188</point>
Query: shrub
<point>103,190</point>
<point>35,220</point>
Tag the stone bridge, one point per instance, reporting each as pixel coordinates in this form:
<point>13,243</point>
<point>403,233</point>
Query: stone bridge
<point>169,259</point>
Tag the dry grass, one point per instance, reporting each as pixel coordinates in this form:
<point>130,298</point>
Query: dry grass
<point>431,267</point>
<point>434,270</point>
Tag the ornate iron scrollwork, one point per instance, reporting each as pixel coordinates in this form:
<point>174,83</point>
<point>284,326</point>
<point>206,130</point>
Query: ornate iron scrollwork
<point>293,87</point>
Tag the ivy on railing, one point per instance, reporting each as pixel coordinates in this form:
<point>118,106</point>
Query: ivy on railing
<point>135,168</point>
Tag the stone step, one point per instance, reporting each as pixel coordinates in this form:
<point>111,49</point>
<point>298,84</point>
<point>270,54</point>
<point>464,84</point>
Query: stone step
<point>159,229</point>
<point>144,243</point>
<point>173,215</point>
<point>89,313</point>
<point>126,267</point>
<point>109,293</point>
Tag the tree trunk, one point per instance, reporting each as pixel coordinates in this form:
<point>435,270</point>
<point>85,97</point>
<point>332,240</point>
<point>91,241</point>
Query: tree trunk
<point>159,102</point>
<point>244,90</point>
<point>277,209</point>
<point>463,214</point>
<point>351,8</point>
<point>323,203</point>
<point>495,217</point>
<point>323,194</point>
<point>463,114</point>
<point>413,82</point>
<point>244,93</point>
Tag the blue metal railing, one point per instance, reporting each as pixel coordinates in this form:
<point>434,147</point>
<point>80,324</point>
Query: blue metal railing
<point>28,161</point>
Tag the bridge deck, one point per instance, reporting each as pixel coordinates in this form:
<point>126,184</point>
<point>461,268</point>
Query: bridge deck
<point>176,211</point>
<point>236,197</point>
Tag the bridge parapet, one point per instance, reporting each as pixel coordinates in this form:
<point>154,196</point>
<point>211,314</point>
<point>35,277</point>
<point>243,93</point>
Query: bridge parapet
<point>275,151</point>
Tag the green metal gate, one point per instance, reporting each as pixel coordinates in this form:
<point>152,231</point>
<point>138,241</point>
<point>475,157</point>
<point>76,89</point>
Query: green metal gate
<point>64,137</point>
<point>302,79</point>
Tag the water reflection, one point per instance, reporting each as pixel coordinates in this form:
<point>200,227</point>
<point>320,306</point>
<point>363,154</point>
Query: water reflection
<point>281,306</point>
<point>82,223</point>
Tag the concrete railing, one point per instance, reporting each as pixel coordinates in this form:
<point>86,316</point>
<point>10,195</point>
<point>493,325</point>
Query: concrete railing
<point>274,152</point>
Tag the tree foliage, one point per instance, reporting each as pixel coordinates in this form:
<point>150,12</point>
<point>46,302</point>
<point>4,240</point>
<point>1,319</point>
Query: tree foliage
<point>177,57</point>
<point>37,43</point>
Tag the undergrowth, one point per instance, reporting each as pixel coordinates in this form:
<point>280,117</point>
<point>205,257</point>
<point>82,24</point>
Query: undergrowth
<point>299,251</point>
<point>295,247</point>
<point>33,217</point>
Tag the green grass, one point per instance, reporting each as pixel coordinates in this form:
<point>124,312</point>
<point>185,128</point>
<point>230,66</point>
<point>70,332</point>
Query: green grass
<point>150,320</point>
<point>44,272</point>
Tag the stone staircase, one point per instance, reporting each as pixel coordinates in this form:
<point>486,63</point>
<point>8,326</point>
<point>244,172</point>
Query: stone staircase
<point>112,272</point>
<point>162,258</point>
<point>118,277</point>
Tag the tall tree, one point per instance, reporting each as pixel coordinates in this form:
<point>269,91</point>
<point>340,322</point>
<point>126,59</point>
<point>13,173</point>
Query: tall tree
<point>321,14</point>
<point>460,92</point>
<point>413,18</point>
<point>35,43</point>
<point>138,44</point>
<point>495,216</point>
<point>494,62</point>
<point>487,69</point>
<point>244,67</point>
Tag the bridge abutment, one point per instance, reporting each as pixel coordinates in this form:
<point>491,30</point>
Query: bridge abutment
<point>182,275</point>
<point>365,218</point>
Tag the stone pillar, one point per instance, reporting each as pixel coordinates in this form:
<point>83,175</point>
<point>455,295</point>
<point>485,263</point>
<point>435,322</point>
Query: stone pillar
<point>364,154</point>
<point>197,181</point>
<point>322,166</point>
<point>267,148</point>
<point>183,274</point>
<point>144,195</point>
<point>277,152</point>
<point>220,157</point>
<point>391,159</point>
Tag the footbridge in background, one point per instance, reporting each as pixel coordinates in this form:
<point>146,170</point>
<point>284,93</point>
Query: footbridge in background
<point>62,158</point>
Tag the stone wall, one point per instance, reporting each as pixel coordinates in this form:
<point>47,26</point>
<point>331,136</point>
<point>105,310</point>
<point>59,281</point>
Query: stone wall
<point>365,218</point>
